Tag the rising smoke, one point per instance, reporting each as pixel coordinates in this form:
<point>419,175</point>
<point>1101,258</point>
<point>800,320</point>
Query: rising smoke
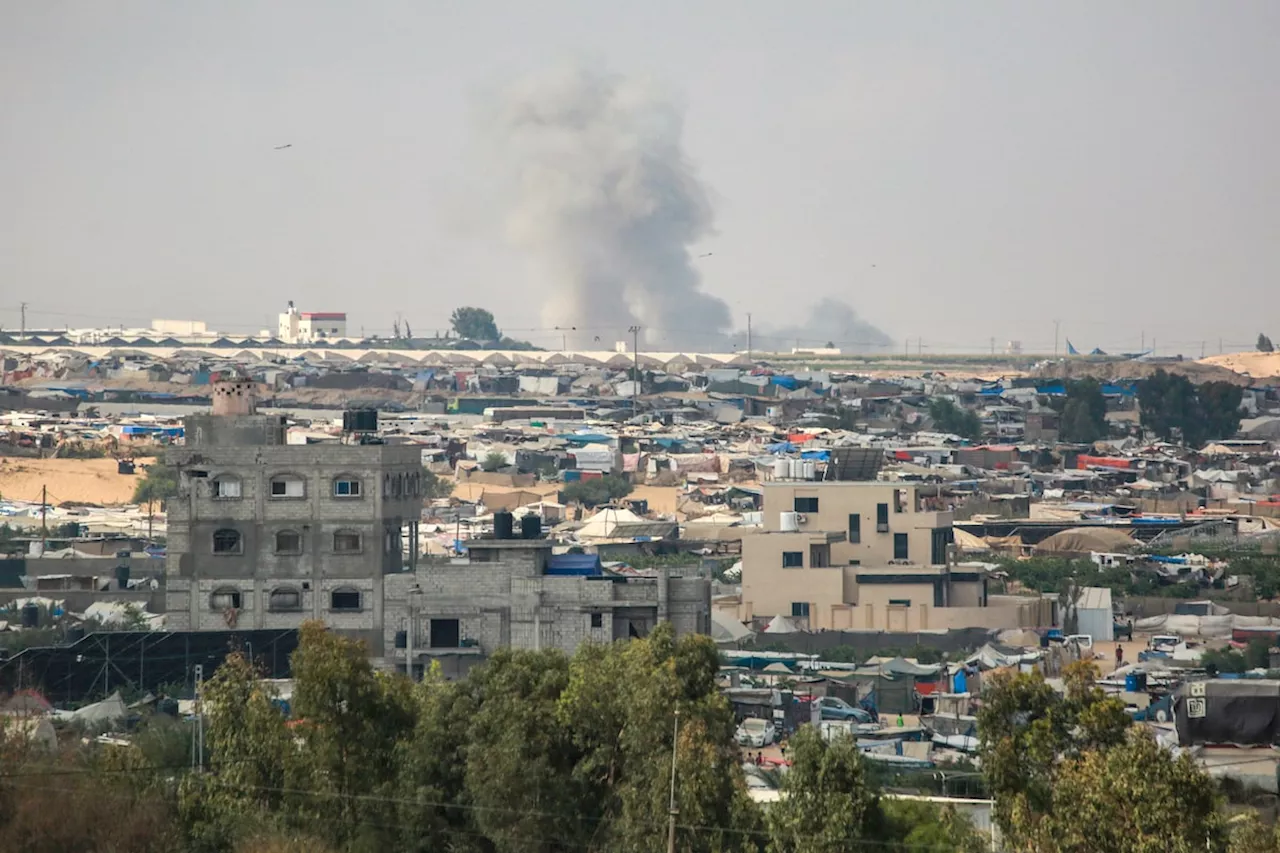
<point>605,202</point>
<point>829,321</point>
<point>600,194</point>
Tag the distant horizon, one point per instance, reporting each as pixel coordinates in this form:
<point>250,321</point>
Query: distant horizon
<point>951,173</point>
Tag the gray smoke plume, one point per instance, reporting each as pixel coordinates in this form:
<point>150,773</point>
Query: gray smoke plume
<point>829,321</point>
<point>605,202</point>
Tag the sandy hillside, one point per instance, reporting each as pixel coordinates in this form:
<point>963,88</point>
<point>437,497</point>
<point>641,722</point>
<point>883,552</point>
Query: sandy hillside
<point>82,480</point>
<point>1257,364</point>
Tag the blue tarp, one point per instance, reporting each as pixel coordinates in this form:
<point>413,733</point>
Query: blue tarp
<point>788,382</point>
<point>782,447</point>
<point>575,565</point>
<point>585,438</point>
<point>1052,389</point>
<point>820,455</point>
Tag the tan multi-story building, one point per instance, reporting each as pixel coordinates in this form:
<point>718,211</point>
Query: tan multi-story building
<point>865,556</point>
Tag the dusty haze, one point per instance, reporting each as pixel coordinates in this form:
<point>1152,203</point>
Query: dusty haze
<point>952,172</point>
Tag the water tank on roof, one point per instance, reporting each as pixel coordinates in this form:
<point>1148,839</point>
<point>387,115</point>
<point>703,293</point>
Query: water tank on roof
<point>781,468</point>
<point>531,526</point>
<point>810,469</point>
<point>30,615</point>
<point>797,469</point>
<point>789,522</point>
<point>122,576</point>
<point>503,525</point>
<point>360,420</point>
<point>75,634</point>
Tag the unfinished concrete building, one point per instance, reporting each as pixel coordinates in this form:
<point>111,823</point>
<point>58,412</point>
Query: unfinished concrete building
<point>265,534</point>
<point>512,592</point>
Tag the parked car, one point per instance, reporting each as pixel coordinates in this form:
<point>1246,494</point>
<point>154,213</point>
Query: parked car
<point>756,732</point>
<point>835,708</point>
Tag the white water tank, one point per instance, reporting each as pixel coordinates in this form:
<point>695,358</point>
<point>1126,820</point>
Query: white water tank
<point>797,469</point>
<point>789,522</point>
<point>810,469</point>
<point>781,469</point>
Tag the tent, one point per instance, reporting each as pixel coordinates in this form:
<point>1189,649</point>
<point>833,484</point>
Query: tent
<point>104,713</point>
<point>1083,540</point>
<point>727,630</point>
<point>781,625</point>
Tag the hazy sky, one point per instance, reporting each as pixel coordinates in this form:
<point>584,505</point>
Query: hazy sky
<point>954,171</point>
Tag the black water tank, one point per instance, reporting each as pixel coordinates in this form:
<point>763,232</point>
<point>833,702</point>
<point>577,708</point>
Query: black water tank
<point>125,466</point>
<point>122,576</point>
<point>360,420</point>
<point>503,525</point>
<point>531,527</point>
<point>402,639</point>
<point>75,634</point>
<point>30,616</point>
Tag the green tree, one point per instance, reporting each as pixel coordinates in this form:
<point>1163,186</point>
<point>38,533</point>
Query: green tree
<point>827,806</point>
<point>1170,406</point>
<point>1025,727</point>
<point>1264,343</point>
<point>1132,798</point>
<point>1084,412</point>
<point>475,324</point>
<point>948,417</point>
<point>435,486</point>
<point>494,460</point>
<point>914,825</point>
<point>601,490</point>
<point>159,483</point>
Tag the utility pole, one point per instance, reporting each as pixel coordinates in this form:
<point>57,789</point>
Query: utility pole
<point>749,335</point>
<point>672,811</point>
<point>1056,324</point>
<point>197,743</point>
<point>1142,345</point>
<point>635,365</point>
<point>22,308</point>
<point>44,519</point>
<point>1202,349</point>
<point>919,347</point>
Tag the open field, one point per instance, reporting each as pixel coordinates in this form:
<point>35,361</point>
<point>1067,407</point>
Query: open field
<point>93,481</point>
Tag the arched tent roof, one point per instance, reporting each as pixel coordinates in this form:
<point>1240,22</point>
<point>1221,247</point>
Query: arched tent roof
<point>497,359</point>
<point>1083,540</point>
<point>459,358</point>
<point>619,361</point>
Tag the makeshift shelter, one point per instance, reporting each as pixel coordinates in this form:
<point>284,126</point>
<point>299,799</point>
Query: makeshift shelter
<point>1086,540</point>
<point>725,629</point>
<point>781,625</point>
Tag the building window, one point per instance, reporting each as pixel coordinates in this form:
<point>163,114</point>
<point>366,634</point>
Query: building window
<point>345,598</point>
<point>800,609</point>
<point>288,542</point>
<point>445,634</point>
<point>346,487</point>
<point>899,602</point>
<point>288,487</point>
<point>792,559</point>
<point>346,542</point>
<point>225,598</point>
<point>226,487</point>
<point>284,599</point>
<point>227,541</point>
<point>855,528</point>
<point>900,551</point>
<point>597,620</point>
<point>899,500</point>
<point>882,518</point>
<point>806,504</point>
